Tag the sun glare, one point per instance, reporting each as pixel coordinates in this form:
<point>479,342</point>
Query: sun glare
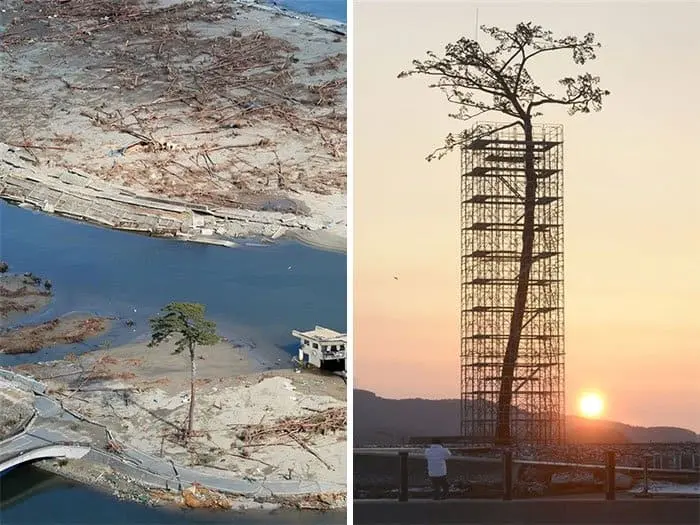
<point>591,405</point>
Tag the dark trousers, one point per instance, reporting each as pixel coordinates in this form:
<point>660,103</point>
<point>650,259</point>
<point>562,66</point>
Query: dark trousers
<point>440,487</point>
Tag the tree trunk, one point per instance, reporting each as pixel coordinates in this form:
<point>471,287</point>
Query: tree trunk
<point>505,396</point>
<point>193,373</point>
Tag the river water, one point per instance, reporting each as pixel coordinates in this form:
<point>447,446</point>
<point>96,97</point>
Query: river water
<point>33,497</point>
<point>256,294</point>
<point>331,9</point>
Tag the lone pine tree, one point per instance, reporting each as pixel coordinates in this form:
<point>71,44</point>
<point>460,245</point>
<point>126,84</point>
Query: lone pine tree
<point>498,81</point>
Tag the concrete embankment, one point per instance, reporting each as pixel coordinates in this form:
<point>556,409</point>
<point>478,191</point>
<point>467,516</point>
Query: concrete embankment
<point>78,195</point>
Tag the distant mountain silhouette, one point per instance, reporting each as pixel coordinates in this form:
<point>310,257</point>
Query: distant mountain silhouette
<point>384,421</point>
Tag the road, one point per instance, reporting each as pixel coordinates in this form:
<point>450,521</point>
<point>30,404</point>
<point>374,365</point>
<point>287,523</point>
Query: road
<point>559,511</point>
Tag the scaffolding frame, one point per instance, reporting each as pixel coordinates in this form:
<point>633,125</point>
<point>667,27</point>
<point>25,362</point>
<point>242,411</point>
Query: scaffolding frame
<point>492,210</point>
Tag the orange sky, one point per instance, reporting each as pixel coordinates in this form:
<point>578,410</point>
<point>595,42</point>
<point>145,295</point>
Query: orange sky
<point>632,256</point>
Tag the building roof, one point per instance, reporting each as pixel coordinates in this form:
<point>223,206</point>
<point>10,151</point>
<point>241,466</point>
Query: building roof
<point>321,335</point>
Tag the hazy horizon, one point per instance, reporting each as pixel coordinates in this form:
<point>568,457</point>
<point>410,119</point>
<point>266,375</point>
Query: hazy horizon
<point>599,420</point>
<point>631,268</point>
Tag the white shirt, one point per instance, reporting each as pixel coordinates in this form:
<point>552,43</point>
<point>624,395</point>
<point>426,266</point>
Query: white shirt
<point>436,456</point>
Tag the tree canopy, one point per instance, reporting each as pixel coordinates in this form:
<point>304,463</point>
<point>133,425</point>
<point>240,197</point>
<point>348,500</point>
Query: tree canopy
<point>186,319</point>
<point>482,82</point>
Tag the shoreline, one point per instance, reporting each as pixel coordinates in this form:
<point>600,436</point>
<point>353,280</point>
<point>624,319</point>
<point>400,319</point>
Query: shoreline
<point>104,479</point>
<point>323,240</point>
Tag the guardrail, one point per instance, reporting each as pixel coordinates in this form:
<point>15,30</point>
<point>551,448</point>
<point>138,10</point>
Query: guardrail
<point>510,467</point>
<point>19,453</point>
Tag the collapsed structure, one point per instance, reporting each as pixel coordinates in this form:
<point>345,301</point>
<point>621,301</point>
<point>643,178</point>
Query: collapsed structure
<point>323,348</point>
<point>492,210</point>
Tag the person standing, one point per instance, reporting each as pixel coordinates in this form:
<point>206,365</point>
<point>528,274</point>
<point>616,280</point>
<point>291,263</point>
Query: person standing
<point>436,456</point>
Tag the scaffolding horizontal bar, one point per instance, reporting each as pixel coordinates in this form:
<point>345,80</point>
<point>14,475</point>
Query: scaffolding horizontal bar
<point>518,365</point>
<point>509,255</point>
<point>516,378</point>
<point>507,199</point>
<point>513,282</point>
<point>537,392</point>
<point>497,391</point>
<point>508,172</point>
<point>509,226</point>
<point>514,159</point>
<point>508,309</point>
<point>525,337</point>
<point>539,146</point>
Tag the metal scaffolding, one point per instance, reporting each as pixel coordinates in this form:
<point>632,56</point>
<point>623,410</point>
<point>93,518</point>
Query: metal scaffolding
<point>493,202</point>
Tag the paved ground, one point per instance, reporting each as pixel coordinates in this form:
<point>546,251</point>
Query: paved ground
<point>551,511</point>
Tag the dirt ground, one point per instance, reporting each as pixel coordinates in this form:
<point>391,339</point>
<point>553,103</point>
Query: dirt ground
<point>214,102</point>
<point>248,424</point>
<point>16,408</point>
<point>21,294</point>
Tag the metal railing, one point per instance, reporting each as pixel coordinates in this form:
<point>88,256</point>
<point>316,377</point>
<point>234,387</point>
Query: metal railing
<point>509,468</point>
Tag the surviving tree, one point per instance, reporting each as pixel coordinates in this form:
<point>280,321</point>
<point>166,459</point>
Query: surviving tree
<point>187,320</point>
<point>498,81</point>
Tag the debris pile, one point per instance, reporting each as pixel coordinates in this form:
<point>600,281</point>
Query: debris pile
<point>323,501</point>
<point>199,497</point>
<point>321,423</point>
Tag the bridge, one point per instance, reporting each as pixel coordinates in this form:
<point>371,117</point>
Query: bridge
<point>26,448</point>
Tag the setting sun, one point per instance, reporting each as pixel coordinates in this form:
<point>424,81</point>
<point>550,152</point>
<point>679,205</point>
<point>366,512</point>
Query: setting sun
<point>591,405</point>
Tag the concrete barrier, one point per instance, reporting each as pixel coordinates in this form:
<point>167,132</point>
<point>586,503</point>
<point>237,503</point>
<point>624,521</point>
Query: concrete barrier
<point>25,381</point>
<point>50,451</point>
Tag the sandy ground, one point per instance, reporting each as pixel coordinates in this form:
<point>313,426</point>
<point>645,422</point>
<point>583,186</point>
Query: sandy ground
<point>216,103</point>
<point>260,426</point>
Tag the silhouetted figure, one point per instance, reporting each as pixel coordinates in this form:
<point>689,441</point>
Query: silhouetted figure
<point>436,455</point>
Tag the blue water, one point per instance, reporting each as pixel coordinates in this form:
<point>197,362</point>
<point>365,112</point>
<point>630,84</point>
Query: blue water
<point>256,295</point>
<point>333,9</point>
<point>31,497</point>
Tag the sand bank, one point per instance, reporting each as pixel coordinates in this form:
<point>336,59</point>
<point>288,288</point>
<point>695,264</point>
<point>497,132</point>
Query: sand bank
<point>28,339</point>
<point>20,295</point>
<point>276,425</point>
<point>198,120</point>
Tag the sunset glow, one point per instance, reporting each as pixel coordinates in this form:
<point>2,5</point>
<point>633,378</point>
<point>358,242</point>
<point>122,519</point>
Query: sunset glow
<point>591,405</point>
<point>631,311</point>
